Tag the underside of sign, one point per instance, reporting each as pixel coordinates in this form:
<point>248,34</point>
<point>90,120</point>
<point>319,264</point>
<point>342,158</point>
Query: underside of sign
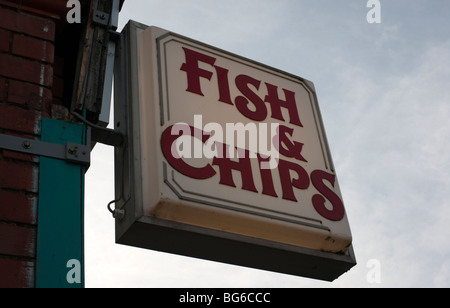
<point>226,159</point>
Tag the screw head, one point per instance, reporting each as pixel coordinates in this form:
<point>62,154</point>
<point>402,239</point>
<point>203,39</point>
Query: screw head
<point>26,144</point>
<point>72,150</point>
<point>101,16</point>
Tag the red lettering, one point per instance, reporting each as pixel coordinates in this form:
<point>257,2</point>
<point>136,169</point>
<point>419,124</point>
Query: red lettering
<point>286,147</point>
<point>287,183</point>
<point>194,72</point>
<point>249,103</point>
<point>266,178</point>
<point>244,166</point>
<point>338,211</point>
<point>276,103</point>
<point>224,85</point>
<point>285,168</point>
<point>242,83</point>
<point>167,140</point>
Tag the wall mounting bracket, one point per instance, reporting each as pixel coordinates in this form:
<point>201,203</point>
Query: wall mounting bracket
<point>71,152</point>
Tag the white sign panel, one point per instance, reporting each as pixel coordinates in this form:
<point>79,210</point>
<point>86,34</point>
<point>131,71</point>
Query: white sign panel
<point>227,144</point>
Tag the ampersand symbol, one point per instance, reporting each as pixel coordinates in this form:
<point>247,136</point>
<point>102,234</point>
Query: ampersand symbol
<point>286,147</point>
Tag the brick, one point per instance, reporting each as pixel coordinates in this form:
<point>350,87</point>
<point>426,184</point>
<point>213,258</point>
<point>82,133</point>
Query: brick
<point>26,70</point>
<point>21,177</point>
<point>25,23</point>
<point>2,89</point>
<point>20,156</point>
<point>19,119</point>
<point>58,66</point>
<point>32,95</point>
<point>17,240</point>
<point>17,207</point>
<point>58,87</point>
<point>16,273</point>
<point>33,48</point>
<point>5,40</point>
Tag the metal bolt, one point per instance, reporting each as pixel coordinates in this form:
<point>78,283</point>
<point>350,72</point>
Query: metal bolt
<point>72,150</point>
<point>26,144</point>
<point>119,214</point>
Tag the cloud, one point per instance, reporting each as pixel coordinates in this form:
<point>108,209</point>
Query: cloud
<point>391,144</point>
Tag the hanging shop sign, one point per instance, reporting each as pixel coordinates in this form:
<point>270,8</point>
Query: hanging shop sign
<point>226,159</point>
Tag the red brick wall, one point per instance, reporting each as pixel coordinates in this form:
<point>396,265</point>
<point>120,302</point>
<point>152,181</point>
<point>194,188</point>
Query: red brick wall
<point>26,95</point>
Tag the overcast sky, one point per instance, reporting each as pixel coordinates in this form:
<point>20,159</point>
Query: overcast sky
<point>384,94</point>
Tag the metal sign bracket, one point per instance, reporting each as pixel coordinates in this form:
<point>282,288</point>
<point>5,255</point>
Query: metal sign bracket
<point>101,18</point>
<point>71,152</point>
